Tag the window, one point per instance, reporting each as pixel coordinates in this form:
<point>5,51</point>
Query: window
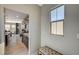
<point>7,27</point>
<point>13,28</point>
<point>57,18</point>
<point>10,27</point>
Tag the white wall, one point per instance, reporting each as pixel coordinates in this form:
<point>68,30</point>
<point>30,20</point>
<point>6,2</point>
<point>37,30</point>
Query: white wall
<point>34,23</point>
<point>69,44</point>
<point>1,31</point>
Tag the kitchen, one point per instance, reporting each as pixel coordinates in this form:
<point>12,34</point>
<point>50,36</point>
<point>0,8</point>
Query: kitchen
<point>16,32</point>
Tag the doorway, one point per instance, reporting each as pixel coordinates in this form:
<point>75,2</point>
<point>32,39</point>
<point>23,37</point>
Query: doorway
<point>16,32</point>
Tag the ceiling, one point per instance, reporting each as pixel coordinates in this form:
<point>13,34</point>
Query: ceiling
<point>14,16</point>
<point>40,5</point>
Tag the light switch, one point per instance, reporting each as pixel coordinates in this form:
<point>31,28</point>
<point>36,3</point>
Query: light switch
<point>77,36</point>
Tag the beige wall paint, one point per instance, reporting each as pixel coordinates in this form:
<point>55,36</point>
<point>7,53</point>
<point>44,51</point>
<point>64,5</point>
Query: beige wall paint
<point>34,23</point>
<point>69,44</point>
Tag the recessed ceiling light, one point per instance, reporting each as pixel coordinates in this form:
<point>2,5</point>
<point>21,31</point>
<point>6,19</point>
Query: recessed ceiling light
<point>17,16</point>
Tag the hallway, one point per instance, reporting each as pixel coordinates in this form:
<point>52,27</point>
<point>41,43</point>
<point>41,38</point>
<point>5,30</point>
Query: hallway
<point>15,46</point>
